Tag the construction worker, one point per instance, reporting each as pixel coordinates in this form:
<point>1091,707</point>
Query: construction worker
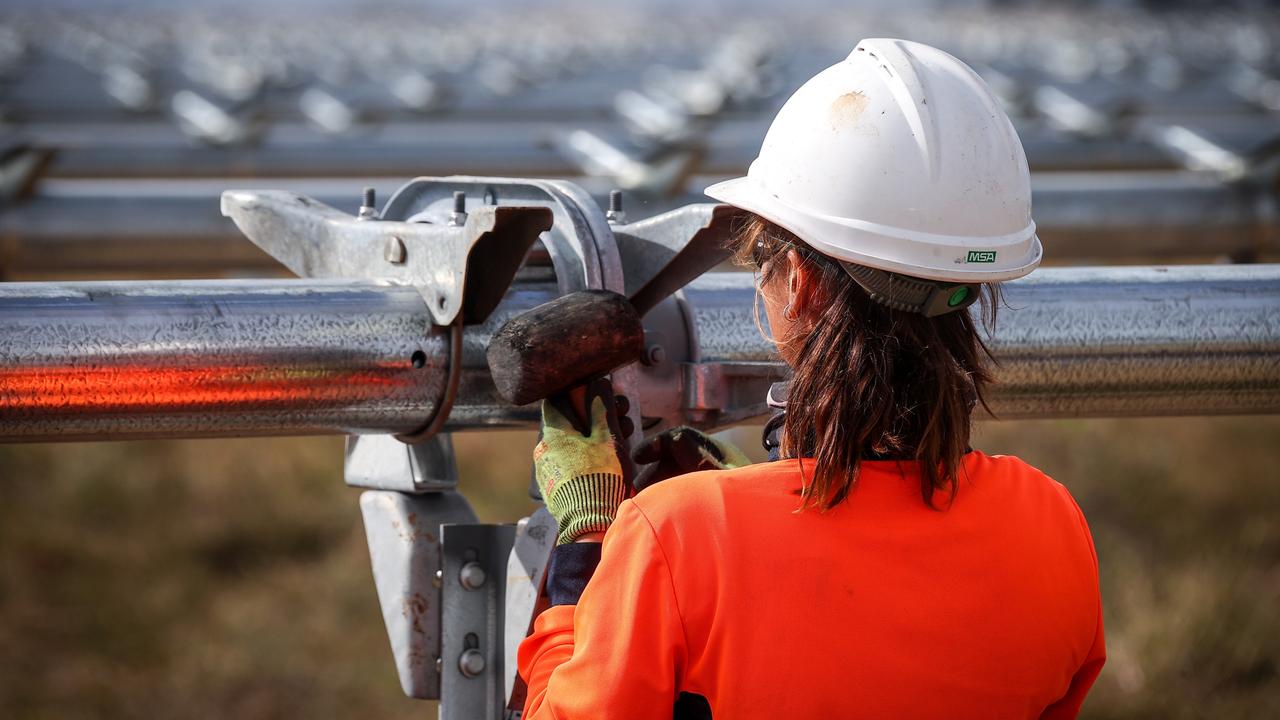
<point>880,567</point>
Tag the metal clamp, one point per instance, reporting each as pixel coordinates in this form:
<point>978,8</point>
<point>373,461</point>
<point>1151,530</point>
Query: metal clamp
<point>441,415</point>
<point>318,241</point>
<point>315,240</point>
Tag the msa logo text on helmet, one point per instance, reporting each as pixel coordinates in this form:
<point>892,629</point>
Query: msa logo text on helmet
<point>981,256</point>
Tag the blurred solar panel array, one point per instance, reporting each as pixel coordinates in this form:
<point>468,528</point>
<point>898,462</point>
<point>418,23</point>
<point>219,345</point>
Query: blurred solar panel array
<point>1151,134</point>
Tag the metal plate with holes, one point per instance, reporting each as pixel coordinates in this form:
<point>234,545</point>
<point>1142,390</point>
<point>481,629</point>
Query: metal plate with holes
<point>473,579</point>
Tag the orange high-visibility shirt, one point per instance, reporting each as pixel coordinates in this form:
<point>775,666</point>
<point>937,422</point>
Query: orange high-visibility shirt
<point>711,583</point>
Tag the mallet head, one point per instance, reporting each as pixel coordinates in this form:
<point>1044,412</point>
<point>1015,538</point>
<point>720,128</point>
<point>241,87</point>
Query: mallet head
<point>564,343</point>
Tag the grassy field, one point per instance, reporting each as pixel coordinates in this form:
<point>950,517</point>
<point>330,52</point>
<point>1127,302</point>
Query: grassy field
<point>212,579</point>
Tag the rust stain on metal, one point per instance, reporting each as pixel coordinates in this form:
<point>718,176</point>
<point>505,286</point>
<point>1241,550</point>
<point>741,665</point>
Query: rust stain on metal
<point>415,607</point>
<point>412,533</point>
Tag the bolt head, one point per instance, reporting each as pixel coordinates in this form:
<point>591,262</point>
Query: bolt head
<point>472,576</point>
<point>395,251</point>
<point>471,663</point>
<point>654,354</point>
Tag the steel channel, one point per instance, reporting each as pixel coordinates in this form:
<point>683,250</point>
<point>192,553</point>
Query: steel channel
<point>186,358</point>
<point>472,621</point>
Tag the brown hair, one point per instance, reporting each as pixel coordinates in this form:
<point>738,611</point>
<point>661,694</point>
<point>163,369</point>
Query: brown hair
<point>869,382</point>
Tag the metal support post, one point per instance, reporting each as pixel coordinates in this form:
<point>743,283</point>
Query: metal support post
<point>473,666</point>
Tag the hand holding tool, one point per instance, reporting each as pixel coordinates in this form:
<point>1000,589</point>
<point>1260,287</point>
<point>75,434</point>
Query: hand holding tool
<point>580,475</point>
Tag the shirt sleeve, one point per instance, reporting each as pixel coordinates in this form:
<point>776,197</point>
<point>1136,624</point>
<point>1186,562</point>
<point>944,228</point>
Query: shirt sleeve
<point>1068,706</point>
<point>618,653</point>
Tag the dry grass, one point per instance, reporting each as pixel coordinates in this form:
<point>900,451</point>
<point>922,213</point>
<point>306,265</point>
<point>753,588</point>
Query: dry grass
<point>230,578</point>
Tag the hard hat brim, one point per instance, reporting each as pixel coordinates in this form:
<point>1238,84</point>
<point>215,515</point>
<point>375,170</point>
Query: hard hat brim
<point>748,194</point>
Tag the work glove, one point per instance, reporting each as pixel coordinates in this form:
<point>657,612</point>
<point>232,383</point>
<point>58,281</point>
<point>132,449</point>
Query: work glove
<point>683,450</point>
<point>581,474</point>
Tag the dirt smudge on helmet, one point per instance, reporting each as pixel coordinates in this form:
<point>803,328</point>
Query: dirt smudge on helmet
<point>847,108</point>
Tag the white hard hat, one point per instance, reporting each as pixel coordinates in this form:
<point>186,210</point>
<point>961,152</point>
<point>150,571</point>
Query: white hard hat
<point>898,159</point>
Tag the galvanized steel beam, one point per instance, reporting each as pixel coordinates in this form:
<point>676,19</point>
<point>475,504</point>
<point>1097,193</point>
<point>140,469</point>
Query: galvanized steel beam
<point>226,358</point>
<point>1087,342</point>
<point>1072,342</point>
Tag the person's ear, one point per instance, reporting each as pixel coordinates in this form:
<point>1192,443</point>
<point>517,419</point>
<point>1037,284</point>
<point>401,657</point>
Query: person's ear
<point>802,282</point>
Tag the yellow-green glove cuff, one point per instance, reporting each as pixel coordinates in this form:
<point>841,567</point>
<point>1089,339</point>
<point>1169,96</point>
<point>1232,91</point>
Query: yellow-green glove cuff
<point>585,504</point>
